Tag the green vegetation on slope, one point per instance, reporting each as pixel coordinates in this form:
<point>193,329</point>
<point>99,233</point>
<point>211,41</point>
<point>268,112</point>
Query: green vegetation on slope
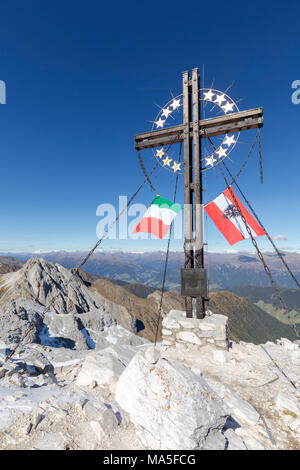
<point>247,322</point>
<point>265,299</point>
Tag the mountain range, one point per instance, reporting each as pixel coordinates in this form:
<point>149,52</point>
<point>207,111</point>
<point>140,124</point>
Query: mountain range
<point>134,306</point>
<point>225,270</point>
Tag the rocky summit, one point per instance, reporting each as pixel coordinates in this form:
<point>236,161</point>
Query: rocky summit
<point>75,317</point>
<point>83,380</point>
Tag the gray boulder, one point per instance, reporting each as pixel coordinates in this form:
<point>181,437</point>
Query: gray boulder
<point>15,320</point>
<point>100,369</point>
<point>36,361</point>
<point>53,441</point>
<point>172,408</point>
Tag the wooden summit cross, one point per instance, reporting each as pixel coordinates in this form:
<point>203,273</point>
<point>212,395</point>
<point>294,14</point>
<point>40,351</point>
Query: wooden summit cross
<point>191,132</point>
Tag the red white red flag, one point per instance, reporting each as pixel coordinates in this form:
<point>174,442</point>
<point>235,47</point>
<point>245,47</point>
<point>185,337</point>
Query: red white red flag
<point>225,214</point>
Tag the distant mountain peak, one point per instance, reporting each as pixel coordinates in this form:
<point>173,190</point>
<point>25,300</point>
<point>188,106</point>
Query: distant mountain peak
<point>48,283</point>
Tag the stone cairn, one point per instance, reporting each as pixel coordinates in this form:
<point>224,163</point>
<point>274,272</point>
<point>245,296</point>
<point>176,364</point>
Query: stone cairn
<point>179,331</point>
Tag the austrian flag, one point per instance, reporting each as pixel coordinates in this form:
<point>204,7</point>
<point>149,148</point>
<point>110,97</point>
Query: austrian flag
<point>225,214</point>
<point>158,217</point>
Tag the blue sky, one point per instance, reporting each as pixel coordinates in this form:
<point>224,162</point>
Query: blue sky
<point>83,78</point>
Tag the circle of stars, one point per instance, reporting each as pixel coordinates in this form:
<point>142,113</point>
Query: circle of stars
<point>214,97</point>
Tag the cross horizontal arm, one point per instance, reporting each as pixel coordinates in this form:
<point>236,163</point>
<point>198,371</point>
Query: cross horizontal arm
<point>234,122</point>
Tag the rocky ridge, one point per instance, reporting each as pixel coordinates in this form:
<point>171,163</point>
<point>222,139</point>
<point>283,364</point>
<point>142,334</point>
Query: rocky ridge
<point>132,396</point>
<point>77,319</point>
<point>82,381</point>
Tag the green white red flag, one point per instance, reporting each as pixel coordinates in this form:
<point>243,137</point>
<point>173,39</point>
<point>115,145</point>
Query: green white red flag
<point>158,217</point>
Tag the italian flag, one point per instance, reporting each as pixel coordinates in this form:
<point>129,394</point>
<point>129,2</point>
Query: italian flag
<point>158,217</point>
<point>225,214</point>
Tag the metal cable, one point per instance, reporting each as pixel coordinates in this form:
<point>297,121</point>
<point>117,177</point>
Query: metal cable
<point>260,255</point>
<point>115,221</point>
<point>261,224</point>
<point>260,159</point>
<point>266,426</point>
<point>278,367</point>
<point>167,258</point>
<point>145,173</point>
<point>123,210</point>
<point>75,270</point>
<point>246,159</point>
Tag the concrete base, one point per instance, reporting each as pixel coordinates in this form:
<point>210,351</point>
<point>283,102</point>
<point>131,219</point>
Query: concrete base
<point>178,331</point>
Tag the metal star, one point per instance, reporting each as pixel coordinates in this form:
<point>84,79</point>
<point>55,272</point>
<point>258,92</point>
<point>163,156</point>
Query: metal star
<point>229,140</point>
<point>210,161</point>
<point>227,107</point>
<point>166,112</point>
<point>160,153</point>
<point>219,100</point>
<point>176,167</point>
<point>160,123</point>
<point>175,104</point>
<point>208,95</point>
<point>221,152</point>
<point>167,161</point>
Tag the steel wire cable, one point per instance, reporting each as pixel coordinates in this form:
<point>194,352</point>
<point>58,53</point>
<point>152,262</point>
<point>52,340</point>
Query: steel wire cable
<point>260,159</point>
<point>246,159</point>
<point>75,270</point>
<point>167,257</point>
<point>260,255</point>
<point>261,224</point>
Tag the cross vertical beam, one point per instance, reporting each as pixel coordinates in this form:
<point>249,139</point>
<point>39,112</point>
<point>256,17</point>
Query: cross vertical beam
<point>188,179</point>
<point>198,189</point>
<point>193,201</point>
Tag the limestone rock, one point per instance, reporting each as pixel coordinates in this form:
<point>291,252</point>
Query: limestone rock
<point>102,419</point>
<point>152,355</point>
<point>104,369</point>
<point>242,411</point>
<point>35,359</point>
<point>165,332</point>
<point>105,425</point>
<point>250,442</point>
<point>188,337</point>
<point>52,441</point>
<point>170,321</point>
<point>295,425</point>
<point>193,331</point>
<point>234,441</point>
<point>285,403</point>
<point>16,318</point>
<point>288,345</point>
<point>84,436</point>
<point>119,312</point>
<point>215,440</point>
<point>220,357</point>
<point>171,407</point>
